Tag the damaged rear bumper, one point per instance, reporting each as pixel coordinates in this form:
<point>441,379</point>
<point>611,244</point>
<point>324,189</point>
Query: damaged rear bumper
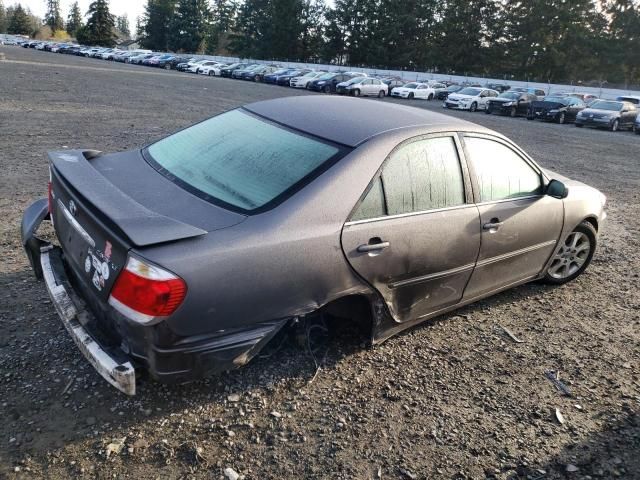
<point>121,375</point>
<point>116,346</point>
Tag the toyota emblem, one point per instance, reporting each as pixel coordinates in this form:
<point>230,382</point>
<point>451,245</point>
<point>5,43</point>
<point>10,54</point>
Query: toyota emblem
<point>72,208</point>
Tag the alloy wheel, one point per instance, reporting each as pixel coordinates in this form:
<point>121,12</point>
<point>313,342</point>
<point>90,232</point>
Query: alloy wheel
<point>571,256</point>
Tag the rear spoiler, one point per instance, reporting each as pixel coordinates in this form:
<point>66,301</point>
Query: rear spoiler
<point>140,225</point>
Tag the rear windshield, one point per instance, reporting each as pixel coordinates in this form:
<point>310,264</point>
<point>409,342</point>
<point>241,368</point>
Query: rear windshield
<point>241,161</point>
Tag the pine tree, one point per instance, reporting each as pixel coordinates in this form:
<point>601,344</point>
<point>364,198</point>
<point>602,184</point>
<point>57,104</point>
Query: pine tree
<point>223,14</point>
<point>122,25</point>
<point>155,24</point>
<point>53,18</point>
<point>3,18</point>
<point>625,37</point>
<point>189,26</point>
<point>100,25</point>
<point>19,22</point>
<point>74,21</point>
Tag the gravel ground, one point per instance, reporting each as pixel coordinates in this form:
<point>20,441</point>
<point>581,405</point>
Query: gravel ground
<point>454,398</point>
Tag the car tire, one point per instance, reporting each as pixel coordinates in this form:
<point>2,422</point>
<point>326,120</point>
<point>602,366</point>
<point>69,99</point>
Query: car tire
<point>574,256</point>
<point>636,130</point>
<point>356,92</point>
<point>487,110</point>
<point>561,118</point>
<point>381,94</point>
<point>513,112</point>
<point>326,89</point>
<point>212,73</point>
<point>430,97</point>
<point>167,67</point>
<point>529,117</point>
<point>579,125</point>
<point>615,125</point>
<point>410,96</point>
<point>473,107</point>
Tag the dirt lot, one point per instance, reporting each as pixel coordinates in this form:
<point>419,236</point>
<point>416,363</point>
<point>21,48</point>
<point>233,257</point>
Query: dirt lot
<point>454,398</point>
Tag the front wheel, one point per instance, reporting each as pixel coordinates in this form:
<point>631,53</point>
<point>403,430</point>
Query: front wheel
<point>430,97</point>
<point>579,125</point>
<point>327,89</point>
<point>615,125</point>
<point>356,93</point>
<point>410,97</point>
<point>212,73</point>
<point>574,255</point>
<point>636,129</point>
<point>513,112</point>
<point>167,67</point>
<point>561,118</point>
<point>473,107</point>
<point>487,110</point>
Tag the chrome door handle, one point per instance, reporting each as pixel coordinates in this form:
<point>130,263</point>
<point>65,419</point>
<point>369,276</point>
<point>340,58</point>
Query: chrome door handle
<point>373,247</point>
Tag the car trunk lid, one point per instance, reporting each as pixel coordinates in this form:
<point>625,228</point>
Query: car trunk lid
<point>98,218</point>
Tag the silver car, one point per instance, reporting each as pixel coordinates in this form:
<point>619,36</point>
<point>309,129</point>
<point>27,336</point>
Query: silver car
<point>186,257</point>
<point>363,86</point>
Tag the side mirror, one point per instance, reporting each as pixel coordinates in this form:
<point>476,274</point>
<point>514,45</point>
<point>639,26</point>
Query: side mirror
<point>557,189</point>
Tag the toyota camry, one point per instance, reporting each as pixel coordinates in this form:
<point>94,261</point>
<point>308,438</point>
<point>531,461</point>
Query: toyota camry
<point>187,256</point>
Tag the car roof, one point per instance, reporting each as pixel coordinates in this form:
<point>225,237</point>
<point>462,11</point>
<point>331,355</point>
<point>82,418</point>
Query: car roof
<point>352,121</point>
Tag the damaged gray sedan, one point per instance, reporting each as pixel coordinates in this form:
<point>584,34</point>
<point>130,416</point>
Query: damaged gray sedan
<point>186,257</point>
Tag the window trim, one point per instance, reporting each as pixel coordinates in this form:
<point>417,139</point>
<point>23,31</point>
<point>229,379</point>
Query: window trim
<point>467,186</point>
<point>544,180</point>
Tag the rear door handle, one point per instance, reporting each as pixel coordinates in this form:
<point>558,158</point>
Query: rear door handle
<point>494,224</point>
<point>373,247</point>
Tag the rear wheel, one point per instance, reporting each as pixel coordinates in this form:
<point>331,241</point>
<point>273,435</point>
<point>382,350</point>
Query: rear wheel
<point>327,89</point>
<point>615,125</point>
<point>473,107</point>
<point>574,255</point>
<point>381,94</point>
<point>167,67</point>
<point>212,73</point>
<point>487,110</point>
<point>579,125</point>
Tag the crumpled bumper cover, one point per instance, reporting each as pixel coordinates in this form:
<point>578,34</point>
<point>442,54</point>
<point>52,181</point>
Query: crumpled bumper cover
<point>121,375</point>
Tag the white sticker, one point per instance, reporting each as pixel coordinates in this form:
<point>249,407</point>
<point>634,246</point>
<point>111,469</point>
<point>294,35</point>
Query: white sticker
<point>105,270</point>
<point>87,264</point>
<point>96,280</point>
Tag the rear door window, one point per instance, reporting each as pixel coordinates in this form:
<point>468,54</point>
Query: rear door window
<point>420,176</point>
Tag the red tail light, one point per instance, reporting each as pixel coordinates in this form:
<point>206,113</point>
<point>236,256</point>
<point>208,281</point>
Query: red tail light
<point>144,292</point>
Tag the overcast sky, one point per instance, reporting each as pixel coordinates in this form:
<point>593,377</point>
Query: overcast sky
<point>132,8</point>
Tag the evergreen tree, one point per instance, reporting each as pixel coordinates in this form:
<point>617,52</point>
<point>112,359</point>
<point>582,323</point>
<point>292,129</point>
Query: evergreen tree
<point>122,25</point>
<point>155,24</point>
<point>74,21</point>
<point>3,18</point>
<point>19,22</point>
<point>223,14</point>
<point>189,26</point>
<point>53,17</point>
<point>625,37</point>
<point>252,28</point>
<point>100,25</point>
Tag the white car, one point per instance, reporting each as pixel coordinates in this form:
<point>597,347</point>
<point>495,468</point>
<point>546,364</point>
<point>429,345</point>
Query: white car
<point>363,86</point>
<point>211,70</point>
<point>414,90</point>
<point>302,81</point>
<point>201,64</point>
<point>470,98</point>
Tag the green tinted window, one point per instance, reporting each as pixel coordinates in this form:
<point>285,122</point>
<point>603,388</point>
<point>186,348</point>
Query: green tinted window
<point>239,159</point>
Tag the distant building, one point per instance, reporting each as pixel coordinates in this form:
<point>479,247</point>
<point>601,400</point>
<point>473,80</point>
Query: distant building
<point>129,45</point>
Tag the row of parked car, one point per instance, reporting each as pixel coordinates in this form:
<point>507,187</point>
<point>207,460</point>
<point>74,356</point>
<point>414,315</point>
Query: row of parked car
<point>561,107</point>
